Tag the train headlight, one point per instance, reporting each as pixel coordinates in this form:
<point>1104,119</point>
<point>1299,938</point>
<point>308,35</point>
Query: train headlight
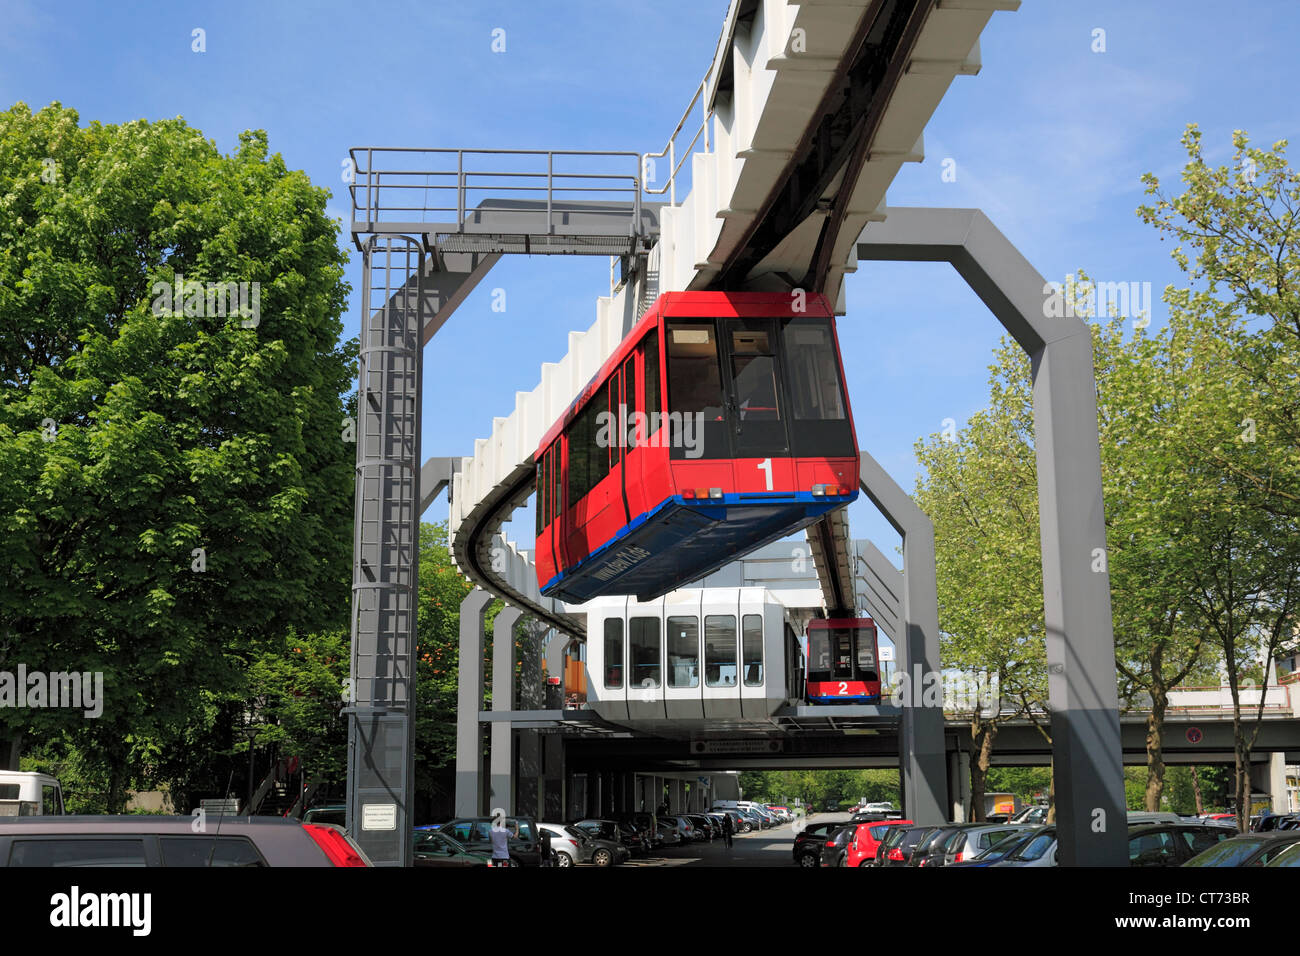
<point>819,490</point>
<point>715,492</point>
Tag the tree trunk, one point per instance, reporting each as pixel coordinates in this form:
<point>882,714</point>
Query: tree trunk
<point>1051,791</point>
<point>1196,790</point>
<point>982,744</point>
<point>1155,751</point>
<point>1242,780</point>
<point>11,750</point>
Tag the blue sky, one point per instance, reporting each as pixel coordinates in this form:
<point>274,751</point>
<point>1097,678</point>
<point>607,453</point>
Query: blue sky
<point>1050,140</point>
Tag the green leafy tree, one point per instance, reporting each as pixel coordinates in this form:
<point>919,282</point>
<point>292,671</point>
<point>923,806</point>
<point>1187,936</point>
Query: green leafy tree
<point>1235,328</point>
<point>175,492</point>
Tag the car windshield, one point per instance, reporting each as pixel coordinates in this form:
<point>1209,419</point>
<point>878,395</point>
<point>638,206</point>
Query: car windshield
<point>1036,847</point>
<point>1001,847</point>
<point>1227,853</point>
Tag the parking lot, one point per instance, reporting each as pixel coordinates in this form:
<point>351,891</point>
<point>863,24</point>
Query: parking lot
<point>758,848</point>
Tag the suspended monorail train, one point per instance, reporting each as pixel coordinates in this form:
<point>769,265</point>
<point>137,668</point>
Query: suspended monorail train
<point>721,423</point>
<point>697,653</point>
<point>843,661</point>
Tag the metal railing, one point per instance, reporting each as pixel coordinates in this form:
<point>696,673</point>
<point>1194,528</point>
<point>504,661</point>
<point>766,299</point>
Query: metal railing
<point>415,184</point>
<point>670,150</point>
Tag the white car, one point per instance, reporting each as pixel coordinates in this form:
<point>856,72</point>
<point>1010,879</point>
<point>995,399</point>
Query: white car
<point>567,851</point>
<point>883,807</point>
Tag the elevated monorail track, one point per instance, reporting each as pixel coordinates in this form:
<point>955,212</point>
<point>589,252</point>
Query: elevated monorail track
<point>809,111</point>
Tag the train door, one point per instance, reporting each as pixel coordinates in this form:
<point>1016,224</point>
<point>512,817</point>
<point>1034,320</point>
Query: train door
<point>756,409</point>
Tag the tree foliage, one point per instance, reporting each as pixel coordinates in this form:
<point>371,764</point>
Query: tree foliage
<point>174,490</point>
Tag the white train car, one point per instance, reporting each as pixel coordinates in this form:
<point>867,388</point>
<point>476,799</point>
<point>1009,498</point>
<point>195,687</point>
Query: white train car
<point>695,654</point>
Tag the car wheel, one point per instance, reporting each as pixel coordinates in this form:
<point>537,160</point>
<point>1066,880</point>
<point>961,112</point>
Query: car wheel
<point>563,859</point>
<point>602,858</point>
<point>809,860</point>
<point>865,861</point>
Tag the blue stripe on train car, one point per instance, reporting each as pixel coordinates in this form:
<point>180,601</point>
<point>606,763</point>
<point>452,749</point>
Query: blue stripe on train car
<point>683,539</point>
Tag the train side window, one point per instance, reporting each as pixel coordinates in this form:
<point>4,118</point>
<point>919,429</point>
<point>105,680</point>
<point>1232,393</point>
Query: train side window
<point>684,651</point>
<point>720,650</point>
<point>541,494</point>
<point>653,409</point>
<point>694,378</point>
<point>558,478</point>
<point>629,401</point>
<point>613,440</point>
<point>588,461</point>
<point>613,652</point>
<point>752,649</point>
<point>643,634</point>
<point>814,379</point>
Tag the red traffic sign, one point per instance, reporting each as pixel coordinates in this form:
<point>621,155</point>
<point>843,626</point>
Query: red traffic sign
<point>1194,735</point>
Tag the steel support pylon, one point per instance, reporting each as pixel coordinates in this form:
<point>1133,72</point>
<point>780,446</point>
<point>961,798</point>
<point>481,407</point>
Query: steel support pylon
<point>1088,770</point>
<point>385,564</point>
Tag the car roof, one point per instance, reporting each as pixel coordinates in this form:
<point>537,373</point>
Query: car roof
<point>135,823</point>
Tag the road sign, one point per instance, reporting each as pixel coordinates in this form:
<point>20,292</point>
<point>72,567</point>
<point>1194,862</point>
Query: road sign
<point>886,654</point>
<point>227,807</point>
<point>1194,735</point>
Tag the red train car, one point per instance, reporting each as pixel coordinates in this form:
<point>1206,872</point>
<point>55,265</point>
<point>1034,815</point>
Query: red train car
<point>843,661</point>
<point>720,423</point>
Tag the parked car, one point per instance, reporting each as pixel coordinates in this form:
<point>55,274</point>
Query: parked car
<point>836,845</point>
<point>866,841</point>
<point>974,840</point>
<point>475,833</point>
<point>647,825</point>
<point>808,842</point>
<point>670,831</point>
<point>599,850</point>
<point>739,822</point>
<point>1001,849</point>
<point>336,814</point>
<point>1288,857</point>
<point>1038,850</point>
<point>1158,844</point>
<point>901,844</point>
<point>566,844</point>
<point>437,849</point>
<point>1172,844</point>
<point>1030,816</point>
<point>147,840</point>
<point>704,826</point>
<point>1277,821</point>
<point>636,841</point>
<point>883,806</point>
<point>932,850</point>
<point>1247,849</point>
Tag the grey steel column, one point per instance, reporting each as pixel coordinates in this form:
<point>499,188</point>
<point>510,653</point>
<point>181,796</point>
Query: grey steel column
<point>921,737</point>
<point>469,701</point>
<point>1088,768</point>
<point>381,725</point>
<point>503,699</point>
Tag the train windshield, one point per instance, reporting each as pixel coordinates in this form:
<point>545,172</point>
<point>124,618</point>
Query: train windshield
<point>833,653</point>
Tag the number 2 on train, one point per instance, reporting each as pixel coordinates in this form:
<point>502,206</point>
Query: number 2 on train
<point>844,687</point>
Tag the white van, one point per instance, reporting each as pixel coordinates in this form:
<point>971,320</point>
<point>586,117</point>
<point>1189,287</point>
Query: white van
<point>28,794</point>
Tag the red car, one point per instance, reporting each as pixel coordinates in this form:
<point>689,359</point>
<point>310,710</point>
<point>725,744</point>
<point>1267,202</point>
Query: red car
<point>862,848</point>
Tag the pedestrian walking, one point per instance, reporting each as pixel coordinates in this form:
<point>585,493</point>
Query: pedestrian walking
<point>727,828</point>
<point>500,845</point>
<point>547,853</point>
